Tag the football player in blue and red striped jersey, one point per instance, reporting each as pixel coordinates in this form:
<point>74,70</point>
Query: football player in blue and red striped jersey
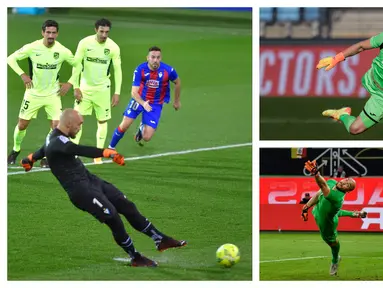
<point>150,90</point>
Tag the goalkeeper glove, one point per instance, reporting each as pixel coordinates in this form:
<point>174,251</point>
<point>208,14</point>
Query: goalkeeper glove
<point>360,214</point>
<point>330,62</point>
<point>312,167</point>
<point>27,162</point>
<point>305,213</point>
<point>117,158</point>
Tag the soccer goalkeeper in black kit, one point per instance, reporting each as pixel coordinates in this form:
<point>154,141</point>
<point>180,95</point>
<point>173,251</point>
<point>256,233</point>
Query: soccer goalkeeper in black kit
<point>92,194</point>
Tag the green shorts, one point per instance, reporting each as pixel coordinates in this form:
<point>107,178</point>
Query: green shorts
<point>98,100</point>
<point>32,104</point>
<point>327,229</point>
<point>373,110</point>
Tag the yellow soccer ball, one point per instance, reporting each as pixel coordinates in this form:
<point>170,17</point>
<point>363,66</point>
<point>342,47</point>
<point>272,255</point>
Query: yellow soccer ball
<point>228,255</point>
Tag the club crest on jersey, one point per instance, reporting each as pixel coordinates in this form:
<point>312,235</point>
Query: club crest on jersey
<point>106,51</point>
<point>160,74</point>
<point>56,55</point>
<point>153,83</point>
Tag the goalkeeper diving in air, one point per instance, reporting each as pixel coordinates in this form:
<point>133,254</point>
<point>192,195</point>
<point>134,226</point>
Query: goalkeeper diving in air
<point>372,81</point>
<point>328,202</point>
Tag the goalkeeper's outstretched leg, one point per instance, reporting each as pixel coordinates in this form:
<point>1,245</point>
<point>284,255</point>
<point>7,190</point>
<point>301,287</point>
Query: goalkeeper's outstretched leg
<point>353,125</point>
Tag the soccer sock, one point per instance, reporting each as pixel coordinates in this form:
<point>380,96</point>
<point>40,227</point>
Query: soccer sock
<point>137,220</point>
<point>335,252</point>
<point>120,236</point>
<point>78,137</point>
<point>18,137</point>
<point>102,131</point>
<point>347,120</point>
<point>117,136</point>
<point>153,233</point>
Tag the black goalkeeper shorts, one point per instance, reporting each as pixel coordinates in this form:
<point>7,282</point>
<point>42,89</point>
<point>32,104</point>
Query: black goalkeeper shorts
<point>97,197</point>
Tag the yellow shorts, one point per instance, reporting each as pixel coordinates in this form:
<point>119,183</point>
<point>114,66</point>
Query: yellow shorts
<point>32,104</point>
<point>98,100</point>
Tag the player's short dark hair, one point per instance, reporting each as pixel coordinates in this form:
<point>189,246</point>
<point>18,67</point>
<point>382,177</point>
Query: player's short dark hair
<point>154,48</point>
<point>103,22</point>
<point>50,23</point>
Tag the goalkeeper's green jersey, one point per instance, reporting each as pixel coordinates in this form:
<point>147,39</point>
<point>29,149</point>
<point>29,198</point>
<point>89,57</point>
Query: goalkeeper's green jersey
<point>44,66</point>
<point>377,64</point>
<point>97,60</point>
<point>328,207</point>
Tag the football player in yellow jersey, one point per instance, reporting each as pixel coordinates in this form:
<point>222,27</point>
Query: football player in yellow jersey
<point>98,53</point>
<point>45,58</point>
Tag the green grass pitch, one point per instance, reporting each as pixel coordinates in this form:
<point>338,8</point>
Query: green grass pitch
<point>299,118</point>
<point>304,256</point>
<point>204,197</point>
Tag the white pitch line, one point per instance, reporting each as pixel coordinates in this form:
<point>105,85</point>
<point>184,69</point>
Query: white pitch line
<point>316,257</point>
<point>146,157</point>
<point>127,260</point>
<point>292,259</point>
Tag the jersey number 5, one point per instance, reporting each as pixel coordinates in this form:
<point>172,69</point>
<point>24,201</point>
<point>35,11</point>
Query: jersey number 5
<point>26,104</point>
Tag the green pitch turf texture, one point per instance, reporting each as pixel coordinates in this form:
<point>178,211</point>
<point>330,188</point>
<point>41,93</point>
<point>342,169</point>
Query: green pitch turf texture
<point>301,119</point>
<point>204,198</point>
<point>282,256</point>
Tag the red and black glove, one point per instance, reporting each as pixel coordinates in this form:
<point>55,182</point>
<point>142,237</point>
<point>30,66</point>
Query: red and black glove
<point>27,162</point>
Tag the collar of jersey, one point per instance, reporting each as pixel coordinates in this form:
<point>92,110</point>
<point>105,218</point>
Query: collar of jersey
<point>42,42</point>
<point>95,38</point>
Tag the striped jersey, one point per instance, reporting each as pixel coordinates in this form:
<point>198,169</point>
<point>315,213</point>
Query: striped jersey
<point>154,85</point>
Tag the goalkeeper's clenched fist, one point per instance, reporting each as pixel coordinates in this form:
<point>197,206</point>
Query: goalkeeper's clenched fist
<point>330,62</point>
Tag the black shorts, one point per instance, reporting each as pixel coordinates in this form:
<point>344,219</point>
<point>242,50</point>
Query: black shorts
<point>97,197</point>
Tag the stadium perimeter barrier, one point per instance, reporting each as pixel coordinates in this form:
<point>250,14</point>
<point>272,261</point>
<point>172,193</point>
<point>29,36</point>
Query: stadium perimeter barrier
<point>288,68</point>
<point>217,17</point>
<point>29,10</point>
<point>280,208</point>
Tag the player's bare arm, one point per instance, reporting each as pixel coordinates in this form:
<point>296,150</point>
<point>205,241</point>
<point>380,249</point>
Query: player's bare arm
<point>312,167</point>
<point>330,62</point>
<point>322,184</point>
<point>313,200</point>
<point>177,94</point>
<point>136,96</point>
<point>357,48</point>
<point>308,205</point>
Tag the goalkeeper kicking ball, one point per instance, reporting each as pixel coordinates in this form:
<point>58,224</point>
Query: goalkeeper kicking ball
<point>228,255</point>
